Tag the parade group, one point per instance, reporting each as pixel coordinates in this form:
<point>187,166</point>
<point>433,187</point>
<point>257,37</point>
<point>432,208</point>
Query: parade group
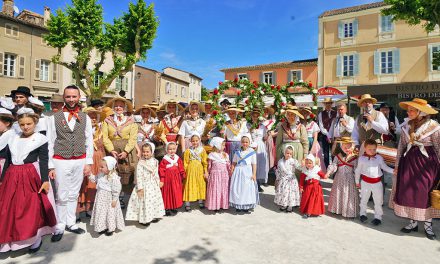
<point>71,162</point>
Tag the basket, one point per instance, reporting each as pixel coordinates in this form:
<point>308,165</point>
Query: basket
<point>435,198</point>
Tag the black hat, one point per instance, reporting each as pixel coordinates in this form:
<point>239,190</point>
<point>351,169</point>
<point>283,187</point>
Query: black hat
<point>96,102</point>
<point>384,105</point>
<point>225,101</point>
<point>23,90</point>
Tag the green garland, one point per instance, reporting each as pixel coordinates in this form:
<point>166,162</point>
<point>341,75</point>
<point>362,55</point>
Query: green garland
<point>253,93</point>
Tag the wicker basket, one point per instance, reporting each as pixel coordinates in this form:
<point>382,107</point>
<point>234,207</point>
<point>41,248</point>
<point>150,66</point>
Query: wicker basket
<point>435,198</point>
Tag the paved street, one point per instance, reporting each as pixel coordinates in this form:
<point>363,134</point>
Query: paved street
<point>265,236</point>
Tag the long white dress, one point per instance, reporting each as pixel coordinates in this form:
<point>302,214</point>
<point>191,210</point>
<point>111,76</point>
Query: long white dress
<point>262,156</point>
<point>150,206</point>
<point>243,193</point>
<point>287,191</point>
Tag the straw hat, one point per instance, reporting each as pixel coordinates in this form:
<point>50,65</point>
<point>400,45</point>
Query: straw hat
<point>294,109</point>
<point>56,98</point>
<point>344,140</point>
<point>200,105</point>
<point>107,111</point>
<point>146,106</point>
<point>154,105</point>
<point>91,109</point>
<point>172,101</point>
<point>270,109</point>
<point>327,100</point>
<point>209,102</point>
<point>122,99</point>
<point>366,97</point>
<point>419,104</point>
<point>234,108</point>
<point>307,109</point>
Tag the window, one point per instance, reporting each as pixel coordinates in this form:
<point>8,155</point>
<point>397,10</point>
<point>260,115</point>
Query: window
<point>387,62</point>
<point>386,24</point>
<point>176,92</point>
<point>119,82</point>
<point>11,30</point>
<point>268,78</point>
<point>348,28</point>
<point>242,76</point>
<point>44,70</point>
<point>97,78</point>
<point>434,51</point>
<point>183,92</point>
<point>168,88</point>
<point>295,75</point>
<point>347,65</point>
<point>9,65</point>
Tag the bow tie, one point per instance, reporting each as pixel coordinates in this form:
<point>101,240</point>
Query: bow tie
<point>72,113</point>
<point>370,157</point>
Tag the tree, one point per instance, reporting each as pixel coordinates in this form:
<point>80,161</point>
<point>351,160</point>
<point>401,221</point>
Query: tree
<point>416,12</point>
<point>127,41</point>
<point>205,94</point>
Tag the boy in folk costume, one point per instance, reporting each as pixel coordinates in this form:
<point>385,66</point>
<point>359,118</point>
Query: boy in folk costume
<point>369,169</point>
<point>70,137</point>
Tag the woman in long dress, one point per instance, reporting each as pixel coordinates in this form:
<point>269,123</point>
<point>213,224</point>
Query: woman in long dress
<point>147,125</point>
<point>259,135</point>
<point>194,124</point>
<point>120,139</point>
<point>344,196</point>
<point>234,130</point>
<point>292,132</point>
<point>417,166</point>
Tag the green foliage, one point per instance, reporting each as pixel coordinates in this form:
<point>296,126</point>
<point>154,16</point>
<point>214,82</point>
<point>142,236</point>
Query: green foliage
<point>415,12</point>
<point>127,40</point>
<point>205,94</point>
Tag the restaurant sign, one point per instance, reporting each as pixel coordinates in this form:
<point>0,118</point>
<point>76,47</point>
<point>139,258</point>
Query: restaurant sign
<point>420,90</point>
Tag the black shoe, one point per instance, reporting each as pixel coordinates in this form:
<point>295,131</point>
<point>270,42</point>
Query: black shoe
<point>260,189</point>
<point>202,206</point>
<point>407,231</point>
<point>188,208</point>
<point>103,232</point>
<point>145,224</point>
<point>245,211</point>
<point>363,218</point>
<point>155,220</point>
<point>305,216</point>
<point>88,215</point>
<point>430,236</point>
<point>57,237</point>
<point>78,220</point>
<point>109,233</point>
<point>283,209</point>
<point>168,213</point>
<point>376,222</point>
<point>289,211</point>
<point>238,210</point>
<point>122,204</point>
<point>35,250</point>
<point>77,231</point>
<point>174,211</point>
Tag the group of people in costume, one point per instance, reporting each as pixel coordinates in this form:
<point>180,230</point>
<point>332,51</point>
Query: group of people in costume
<point>71,162</point>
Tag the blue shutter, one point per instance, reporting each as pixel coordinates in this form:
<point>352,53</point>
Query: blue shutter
<point>274,78</point>
<point>341,30</point>
<point>261,77</point>
<point>289,76</point>
<point>391,24</point>
<point>376,63</point>
<point>430,55</point>
<point>339,66</point>
<point>298,75</point>
<point>356,64</point>
<point>355,27</point>
<point>396,61</point>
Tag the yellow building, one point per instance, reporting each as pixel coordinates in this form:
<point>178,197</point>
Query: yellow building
<point>361,51</point>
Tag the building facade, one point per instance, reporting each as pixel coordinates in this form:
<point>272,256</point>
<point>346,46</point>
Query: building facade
<point>194,91</point>
<point>25,58</point>
<point>146,86</point>
<point>276,73</point>
<point>361,50</point>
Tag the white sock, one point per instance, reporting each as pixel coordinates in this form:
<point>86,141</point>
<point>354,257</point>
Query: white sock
<point>428,227</point>
<point>36,244</point>
<point>73,227</point>
<point>412,224</point>
<point>187,204</point>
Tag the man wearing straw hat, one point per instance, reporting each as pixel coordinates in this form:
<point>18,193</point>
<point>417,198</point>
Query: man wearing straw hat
<point>370,124</point>
<point>325,119</point>
<point>342,125</point>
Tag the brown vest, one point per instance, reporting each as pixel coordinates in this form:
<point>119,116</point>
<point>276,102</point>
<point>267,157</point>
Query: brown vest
<point>326,120</point>
<point>366,131</point>
<point>70,143</point>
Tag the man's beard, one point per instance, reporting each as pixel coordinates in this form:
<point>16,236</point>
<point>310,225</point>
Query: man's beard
<point>71,107</point>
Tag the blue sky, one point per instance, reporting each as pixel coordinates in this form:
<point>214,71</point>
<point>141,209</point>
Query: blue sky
<point>203,36</point>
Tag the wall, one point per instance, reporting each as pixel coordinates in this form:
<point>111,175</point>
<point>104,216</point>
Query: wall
<point>146,86</point>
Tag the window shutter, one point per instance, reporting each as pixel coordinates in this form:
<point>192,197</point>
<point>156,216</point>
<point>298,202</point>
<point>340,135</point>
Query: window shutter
<point>355,27</point>
<point>396,61</point>
<point>21,67</point>
<point>54,72</point>
<point>356,64</point>
<point>14,31</point>
<point>125,84</point>
<point>339,66</point>
<point>2,57</point>
<point>37,70</point>
<point>274,78</point>
<point>383,24</point>
<point>430,57</point>
<point>340,30</point>
<point>261,77</point>
<point>289,76</point>
<point>8,30</point>
<point>376,63</point>
<point>391,24</point>
<point>299,75</point>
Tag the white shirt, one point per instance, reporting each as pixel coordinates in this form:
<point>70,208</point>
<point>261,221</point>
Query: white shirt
<point>247,161</point>
<point>336,129</point>
<point>190,126</point>
<point>311,128</point>
<point>371,167</point>
<point>52,135</point>
<point>232,137</point>
<point>380,125</point>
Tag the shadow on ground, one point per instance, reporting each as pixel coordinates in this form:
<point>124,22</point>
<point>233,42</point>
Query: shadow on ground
<point>193,254</point>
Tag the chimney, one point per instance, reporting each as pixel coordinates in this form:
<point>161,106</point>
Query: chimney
<point>8,7</point>
<point>46,15</point>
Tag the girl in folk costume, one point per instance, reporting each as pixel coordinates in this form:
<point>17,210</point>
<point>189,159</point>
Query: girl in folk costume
<point>344,196</point>
<point>312,199</point>
<point>417,170</point>
<point>147,124</point>
<point>196,169</point>
<point>270,143</point>
<point>312,129</point>
<point>27,202</point>
<point>243,194</point>
<point>287,193</point>
<point>107,213</point>
<point>120,139</point>
<point>259,135</point>
<point>88,188</point>
<point>6,121</point>
<point>38,107</point>
<point>234,130</point>
<point>171,122</point>
<point>194,124</point>
<point>146,204</point>
<point>292,132</point>
<point>172,173</point>
<point>219,168</point>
